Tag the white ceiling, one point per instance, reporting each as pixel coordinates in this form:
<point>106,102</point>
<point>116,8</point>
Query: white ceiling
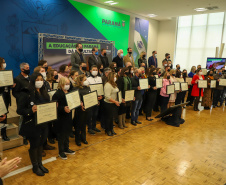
<point>165,9</point>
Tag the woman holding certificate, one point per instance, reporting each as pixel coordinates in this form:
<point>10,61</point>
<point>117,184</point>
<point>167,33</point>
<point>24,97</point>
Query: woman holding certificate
<point>196,91</point>
<point>63,125</point>
<point>36,134</point>
<point>164,97</point>
<point>111,96</point>
<point>52,77</point>
<point>172,80</point>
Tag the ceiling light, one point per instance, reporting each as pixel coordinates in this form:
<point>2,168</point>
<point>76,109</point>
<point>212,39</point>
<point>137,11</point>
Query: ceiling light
<point>200,9</point>
<point>152,15</point>
<point>113,3</point>
<point>108,1</point>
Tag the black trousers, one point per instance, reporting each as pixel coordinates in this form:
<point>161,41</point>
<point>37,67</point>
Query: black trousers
<point>101,113</point>
<point>164,103</point>
<point>109,108</point>
<point>92,117</point>
<point>158,101</point>
<point>36,142</point>
<point>151,99</point>
<point>217,96</point>
<point>190,97</point>
<point>63,141</point>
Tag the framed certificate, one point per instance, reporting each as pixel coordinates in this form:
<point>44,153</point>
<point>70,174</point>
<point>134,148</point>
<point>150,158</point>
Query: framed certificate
<point>90,100</point>
<point>97,87</point>
<point>170,89</point>
<point>129,95</point>
<point>222,82</point>
<point>177,86</point>
<point>3,109</point>
<point>213,84</point>
<point>143,83</point>
<point>158,83</point>
<point>188,80</point>
<point>120,97</point>
<point>51,93</point>
<point>202,84</point>
<point>181,80</point>
<point>204,71</point>
<point>6,78</point>
<point>55,85</point>
<point>73,99</point>
<point>46,112</point>
<point>184,86</point>
<point>156,76</point>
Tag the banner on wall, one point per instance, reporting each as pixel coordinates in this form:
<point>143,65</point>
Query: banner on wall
<point>140,38</point>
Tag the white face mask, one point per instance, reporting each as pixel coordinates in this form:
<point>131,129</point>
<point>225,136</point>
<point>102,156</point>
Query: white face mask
<point>38,84</point>
<point>86,83</point>
<point>131,72</point>
<point>44,75</point>
<point>165,64</point>
<point>115,79</point>
<point>94,73</point>
<point>155,55</point>
<point>4,65</point>
<point>66,87</point>
<point>169,64</point>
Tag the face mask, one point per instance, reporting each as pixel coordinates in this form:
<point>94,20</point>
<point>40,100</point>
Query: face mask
<point>85,83</point>
<point>127,73</point>
<point>105,54</point>
<point>169,57</point>
<point>27,72</point>
<point>94,73</point>
<point>140,75</point>
<point>80,50</point>
<point>38,84</point>
<point>66,87</point>
<point>170,64</point>
<point>46,68</point>
<point>131,72</point>
<point>144,56</point>
<point>84,68</point>
<point>168,70</point>
<point>96,53</point>
<point>4,65</point>
<point>211,74</point>
<point>154,73</point>
<point>102,70</point>
<point>155,55</point>
<point>160,72</point>
<point>168,77</point>
<point>44,75</point>
<point>178,68</point>
<point>220,73</point>
<point>184,74</point>
<point>130,53</point>
<point>165,64</point>
<point>115,79</point>
<point>56,77</point>
<point>200,73</point>
<point>121,54</point>
<point>173,75</point>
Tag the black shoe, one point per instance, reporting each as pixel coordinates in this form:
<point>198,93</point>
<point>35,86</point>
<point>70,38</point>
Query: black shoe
<point>25,141</point>
<point>69,152</point>
<point>206,108</point>
<point>149,119</point>
<point>141,114</point>
<point>214,106</point>
<point>116,121</point>
<point>108,133</point>
<point>78,143</point>
<point>48,147</point>
<point>72,135</point>
<point>85,142</point>
<point>5,138</point>
<point>43,153</point>
<point>138,122</point>
<point>96,129</point>
<point>91,132</point>
<point>51,141</point>
<point>113,132</point>
<point>37,170</point>
<point>45,170</point>
<point>133,123</point>
<point>63,156</point>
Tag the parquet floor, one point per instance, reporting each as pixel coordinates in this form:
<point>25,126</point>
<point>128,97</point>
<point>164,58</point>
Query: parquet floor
<point>152,153</point>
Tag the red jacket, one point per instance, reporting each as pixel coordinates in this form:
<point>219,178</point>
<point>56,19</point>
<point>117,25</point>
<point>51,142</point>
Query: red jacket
<point>195,89</point>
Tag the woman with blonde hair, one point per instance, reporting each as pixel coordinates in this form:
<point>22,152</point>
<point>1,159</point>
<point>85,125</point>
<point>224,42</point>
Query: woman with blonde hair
<point>142,61</point>
<point>52,77</point>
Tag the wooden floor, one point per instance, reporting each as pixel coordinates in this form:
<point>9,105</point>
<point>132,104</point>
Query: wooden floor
<point>152,153</point>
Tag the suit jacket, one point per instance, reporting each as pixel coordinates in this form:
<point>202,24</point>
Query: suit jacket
<point>75,60</point>
<point>86,73</point>
<point>104,61</point>
<point>127,59</point>
<point>216,77</point>
<point>94,61</point>
<point>135,84</point>
<point>140,60</point>
<point>118,61</point>
<point>151,61</point>
<point>21,83</point>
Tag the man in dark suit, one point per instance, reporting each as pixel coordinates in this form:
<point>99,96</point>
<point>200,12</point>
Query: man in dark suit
<point>82,69</point>
<point>153,59</point>
<point>77,57</point>
<point>104,58</point>
<point>94,59</point>
<point>118,59</point>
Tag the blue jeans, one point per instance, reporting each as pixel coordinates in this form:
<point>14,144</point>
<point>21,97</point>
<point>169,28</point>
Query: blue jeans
<point>136,105</point>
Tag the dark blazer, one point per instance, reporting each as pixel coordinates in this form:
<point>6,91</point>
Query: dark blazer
<point>118,61</point>
<point>135,84</point>
<point>64,121</point>
<point>75,60</point>
<point>104,61</point>
<point>94,61</point>
<point>152,83</point>
<point>5,92</point>
<point>121,84</point>
<point>21,83</point>
<point>151,61</point>
<point>86,73</point>
<point>142,61</point>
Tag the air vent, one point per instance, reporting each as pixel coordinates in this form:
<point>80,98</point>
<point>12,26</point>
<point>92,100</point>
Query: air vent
<point>212,7</point>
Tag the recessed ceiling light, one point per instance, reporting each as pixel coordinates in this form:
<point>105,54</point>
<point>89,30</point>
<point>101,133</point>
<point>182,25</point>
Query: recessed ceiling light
<point>200,9</point>
<point>113,3</point>
<point>108,1</point>
<point>152,15</point>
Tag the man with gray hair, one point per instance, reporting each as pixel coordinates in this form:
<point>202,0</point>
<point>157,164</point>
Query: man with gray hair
<point>119,58</point>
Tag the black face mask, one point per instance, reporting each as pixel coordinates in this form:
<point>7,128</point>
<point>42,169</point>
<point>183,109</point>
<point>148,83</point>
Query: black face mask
<point>130,53</point>
<point>127,73</point>
<point>27,72</point>
<point>184,74</point>
<point>102,70</point>
<point>80,50</point>
<point>105,54</point>
<point>173,75</point>
<point>178,68</point>
<point>56,77</point>
<point>168,70</point>
<point>160,72</point>
<point>46,68</point>
<point>144,56</point>
<point>168,77</point>
<point>211,74</point>
<point>83,68</point>
<point>154,73</point>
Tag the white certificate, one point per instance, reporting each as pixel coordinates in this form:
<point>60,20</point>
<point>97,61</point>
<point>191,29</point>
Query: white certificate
<point>170,89</point>
<point>177,86</point>
<point>129,95</point>
<point>99,88</point>
<point>120,97</point>
<point>143,83</point>
<point>6,78</point>
<point>213,84</point>
<point>73,100</point>
<point>202,84</point>
<point>156,76</point>
<point>46,112</point>
<point>90,100</point>
<point>55,85</point>
<point>204,71</point>
<point>51,93</point>
<point>184,86</point>
<point>158,83</point>
<point>181,80</point>
<point>188,80</point>
<point>3,109</point>
<point>222,82</point>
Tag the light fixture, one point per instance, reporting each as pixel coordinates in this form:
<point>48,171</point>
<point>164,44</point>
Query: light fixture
<point>200,9</point>
<point>113,3</point>
<point>108,1</point>
<point>152,15</point>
